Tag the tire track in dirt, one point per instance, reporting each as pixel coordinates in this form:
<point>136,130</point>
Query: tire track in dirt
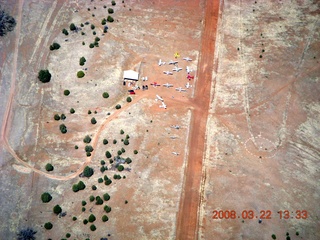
<point>188,217</point>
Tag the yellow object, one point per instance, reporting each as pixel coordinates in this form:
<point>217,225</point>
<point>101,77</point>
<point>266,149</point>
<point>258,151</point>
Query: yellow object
<point>176,55</point>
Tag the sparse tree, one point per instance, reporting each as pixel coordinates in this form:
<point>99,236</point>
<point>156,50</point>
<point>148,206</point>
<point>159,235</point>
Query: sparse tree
<point>110,10</point>
<point>54,46</point>
<point>80,74</point>
<point>107,208</point>
<point>108,154</point>
<point>118,106</point>
<point>65,32</point>
<point>72,111</point>
<point>48,225</point>
<point>75,188</point>
<point>7,23</point>
<point>63,128</point>
<point>120,168</point>
<point>105,95</point>
<point>81,185</point>
<point>46,197</point>
<point>72,27</point>
<point>129,99</point>
<point>93,227</point>
<point>110,19</point>
<point>56,117</point>
<point>87,139</point>
<point>57,209</point>
<point>88,171</point>
<point>135,151</point>
<point>82,61</point>
<point>66,92</point>
<point>49,167</point>
<point>126,142</point>
<point>91,218</point>
<point>44,76</point>
<point>93,120</point>
<point>104,218</point>
<point>113,3</point>
<point>106,197</point>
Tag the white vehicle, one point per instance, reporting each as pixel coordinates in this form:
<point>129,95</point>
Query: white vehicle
<point>187,59</point>
<point>180,89</point>
<point>172,62</point>
<point>167,72</point>
<point>168,85</point>
<point>175,153</point>
<point>188,85</point>
<point>189,70</point>
<point>144,79</point>
<point>163,105</point>
<point>177,69</point>
<point>161,63</point>
<point>159,98</point>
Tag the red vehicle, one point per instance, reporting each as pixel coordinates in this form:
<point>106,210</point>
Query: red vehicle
<point>132,93</point>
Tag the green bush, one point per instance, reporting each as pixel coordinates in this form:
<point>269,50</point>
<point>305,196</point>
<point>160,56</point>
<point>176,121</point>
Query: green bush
<point>65,32</point>
<point>105,95</point>
<point>68,235</point>
<point>104,218</point>
<point>118,106</point>
<point>91,45</point>
<point>72,111</point>
<point>129,99</point>
<point>75,188</point>
<point>93,120</point>
<point>93,227</point>
<point>44,76</point>
<point>88,148</point>
<point>88,154</point>
<point>83,43</point>
<point>81,185</point>
<point>116,176</point>
<point>110,19</point>
<point>46,197</point>
<point>74,218</point>
<point>119,152</point>
<point>99,200</point>
<point>49,167</point>
<point>100,180</point>
<point>108,154</point>
<point>87,139</point>
<point>108,181</point>
<point>110,10</point>
<point>102,169</point>
<point>91,218</point>
<point>76,147</point>
<point>66,92</point>
<point>54,46</point>
<point>85,221</point>
<point>63,116</point>
<point>63,128</point>
<point>83,203</point>
<point>83,209</point>
<point>95,43</point>
<point>88,171</point>
<point>125,202</point>
<point>106,197</point>
<point>107,208</point>
<point>273,236</point>
<point>102,162</point>
<point>135,152</point>
<point>48,225</point>
<point>92,26</point>
<point>113,3</point>
<point>104,21</point>
<point>94,187</point>
<point>128,160</point>
<point>89,112</point>
<point>82,61</point>
<point>72,27</point>
<point>91,198</point>
<point>56,117</point>
<point>80,74</point>
<point>57,209</point>
<point>126,142</point>
<point>97,39</point>
<point>114,141</point>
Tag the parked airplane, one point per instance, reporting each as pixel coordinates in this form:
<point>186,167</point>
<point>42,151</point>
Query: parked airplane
<point>161,63</point>
<point>159,98</point>
<point>172,62</point>
<point>168,85</point>
<point>187,59</point>
<point>180,89</point>
<point>189,70</point>
<point>176,55</point>
<point>190,77</point>
<point>163,105</point>
<point>175,153</point>
<point>167,72</point>
<point>155,84</point>
<point>188,85</point>
<point>176,69</point>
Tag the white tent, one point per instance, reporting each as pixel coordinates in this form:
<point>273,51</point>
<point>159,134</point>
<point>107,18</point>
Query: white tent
<point>130,75</point>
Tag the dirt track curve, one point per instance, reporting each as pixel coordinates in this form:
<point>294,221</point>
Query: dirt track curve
<point>187,220</point>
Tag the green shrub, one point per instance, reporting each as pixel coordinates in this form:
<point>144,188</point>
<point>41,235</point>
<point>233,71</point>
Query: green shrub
<point>105,95</point>
<point>74,218</point>
<point>63,116</point>
<point>135,152</point>
<point>83,203</point>
<point>49,167</point>
<point>100,180</point>
<point>57,209</point>
<point>85,221</point>
<point>83,209</point>
<point>76,147</point>
<point>66,92</point>
<point>72,27</point>
<point>123,150</point>
<point>83,43</point>
<point>94,187</point>
<point>110,19</point>
<point>104,218</point>
<point>93,227</point>
<point>113,3</point>
<point>108,154</point>
<point>119,152</point>
<point>97,39</point>
<point>91,45</point>
<point>46,197</point>
<point>87,139</point>
<point>88,171</point>
<point>106,197</point>
<point>104,21</point>
<point>129,99</point>
<point>110,10</point>
<point>93,120</point>
<point>114,141</point>
<point>54,46</point>
<point>91,198</point>
<point>56,117</point>
<point>88,148</point>
<point>65,32</point>
<point>89,112</point>
<point>68,235</point>
<point>108,181</point>
<point>125,202</point>
<point>99,200</point>
<point>48,225</point>
<point>118,106</point>
<point>126,142</point>
<point>273,236</point>
<point>92,26</point>
<point>80,74</point>
<point>63,128</point>
<point>107,208</point>
<point>75,188</point>
<point>44,76</point>
<point>91,218</point>
<point>102,169</point>
<point>102,162</point>
<point>288,238</point>
<point>72,111</point>
<point>82,61</point>
<point>81,185</point>
<point>88,154</point>
<point>128,160</point>
<point>116,176</point>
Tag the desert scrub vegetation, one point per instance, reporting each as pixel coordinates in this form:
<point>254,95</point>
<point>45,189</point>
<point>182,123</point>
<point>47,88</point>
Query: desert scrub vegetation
<point>82,61</point>
<point>79,186</point>
<point>106,197</point>
<point>113,3</point>
<point>110,19</point>
<point>105,95</point>
<point>110,10</point>
<point>104,218</point>
<point>103,21</point>
<point>88,171</point>
<point>93,120</point>
<point>65,32</point>
<point>105,142</point>
<point>129,99</point>
<point>118,106</point>
<point>48,225</point>
<point>72,111</point>
<point>87,139</point>
<point>66,92</point>
<point>7,23</point>
<point>80,74</point>
<point>57,209</point>
<point>63,128</point>
<point>49,167</point>
<point>91,218</point>
<point>54,46</point>
<point>72,27</point>
<point>56,117</point>
<point>93,227</point>
<point>44,76</point>
<point>46,197</point>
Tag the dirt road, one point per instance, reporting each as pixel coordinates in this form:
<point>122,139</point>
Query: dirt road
<point>187,221</point>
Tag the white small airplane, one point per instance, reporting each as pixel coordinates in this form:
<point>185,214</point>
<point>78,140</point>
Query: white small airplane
<point>172,62</point>
<point>159,98</point>
<point>177,69</point>
<point>163,105</point>
<point>144,78</point>
<point>173,137</point>
<point>167,72</point>
<point>180,89</point>
<point>175,153</point>
<point>161,63</point>
<point>168,85</point>
<point>188,85</point>
<point>155,84</point>
<point>189,70</point>
<point>175,126</point>
<point>187,59</point>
